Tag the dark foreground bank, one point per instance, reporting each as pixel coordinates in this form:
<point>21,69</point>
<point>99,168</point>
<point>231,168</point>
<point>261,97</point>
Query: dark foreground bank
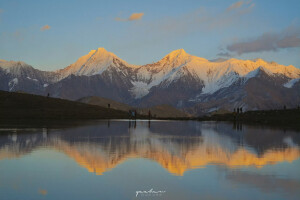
<point>19,109</point>
<point>23,107</point>
<point>283,118</point>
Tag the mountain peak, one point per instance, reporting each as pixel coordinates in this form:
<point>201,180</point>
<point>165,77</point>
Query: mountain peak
<point>178,55</point>
<point>102,49</point>
<point>101,52</point>
<point>95,62</point>
<point>260,61</point>
<point>8,64</point>
<point>178,52</point>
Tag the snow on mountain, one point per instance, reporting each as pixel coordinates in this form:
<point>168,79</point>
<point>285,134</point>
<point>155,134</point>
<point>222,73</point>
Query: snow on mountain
<point>14,67</point>
<point>13,83</point>
<point>215,75</point>
<point>167,69</point>
<point>21,69</point>
<point>175,65</point>
<point>222,74</point>
<point>139,89</point>
<point>21,76</point>
<point>291,83</point>
<point>95,62</point>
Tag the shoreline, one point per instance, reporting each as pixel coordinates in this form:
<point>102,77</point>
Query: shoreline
<point>67,123</point>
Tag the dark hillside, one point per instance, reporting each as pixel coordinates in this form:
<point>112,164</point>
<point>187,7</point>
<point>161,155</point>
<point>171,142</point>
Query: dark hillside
<point>21,106</point>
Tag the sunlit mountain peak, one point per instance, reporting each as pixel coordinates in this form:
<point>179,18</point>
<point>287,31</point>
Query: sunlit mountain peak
<point>178,55</point>
<point>178,52</point>
<point>95,62</point>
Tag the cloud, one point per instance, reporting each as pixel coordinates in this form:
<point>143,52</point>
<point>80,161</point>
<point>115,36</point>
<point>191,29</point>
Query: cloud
<point>224,54</point>
<point>247,9</point>
<point>43,192</point>
<point>269,41</point>
<point>46,27</point>
<point>1,11</point>
<point>201,20</point>
<point>218,60</point>
<point>120,19</point>
<point>136,16</point>
<point>18,35</point>
<point>235,5</point>
<point>242,7</point>
<point>133,17</point>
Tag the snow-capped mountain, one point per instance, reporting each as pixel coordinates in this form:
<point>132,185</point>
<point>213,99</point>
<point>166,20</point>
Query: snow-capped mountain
<point>16,76</point>
<point>95,63</point>
<point>184,80</point>
<point>178,79</point>
<point>215,75</point>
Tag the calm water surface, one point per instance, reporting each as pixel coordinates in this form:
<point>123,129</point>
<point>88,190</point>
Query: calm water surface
<point>176,159</point>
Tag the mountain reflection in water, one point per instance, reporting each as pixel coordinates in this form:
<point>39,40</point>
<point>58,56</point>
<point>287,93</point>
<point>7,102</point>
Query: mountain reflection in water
<point>177,146</point>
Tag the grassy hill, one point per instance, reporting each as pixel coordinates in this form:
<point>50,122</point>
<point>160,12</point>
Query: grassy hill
<point>160,111</point>
<point>103,102</point>
<point>163,111</point>
<point>21,106</point>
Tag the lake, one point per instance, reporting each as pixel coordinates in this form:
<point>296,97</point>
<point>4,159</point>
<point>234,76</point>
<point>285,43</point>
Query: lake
<point>150,160</point>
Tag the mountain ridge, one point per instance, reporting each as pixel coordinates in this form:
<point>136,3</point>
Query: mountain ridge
<point>178,79</point>
<point>178,55</point>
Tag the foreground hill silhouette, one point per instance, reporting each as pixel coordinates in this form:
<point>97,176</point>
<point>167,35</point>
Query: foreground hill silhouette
<point>159,111</point>
<point>21,106</point>
<point>289,118</point>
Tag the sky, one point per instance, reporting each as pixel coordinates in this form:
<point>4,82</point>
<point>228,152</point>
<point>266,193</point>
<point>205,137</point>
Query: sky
<point>51,35</point>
